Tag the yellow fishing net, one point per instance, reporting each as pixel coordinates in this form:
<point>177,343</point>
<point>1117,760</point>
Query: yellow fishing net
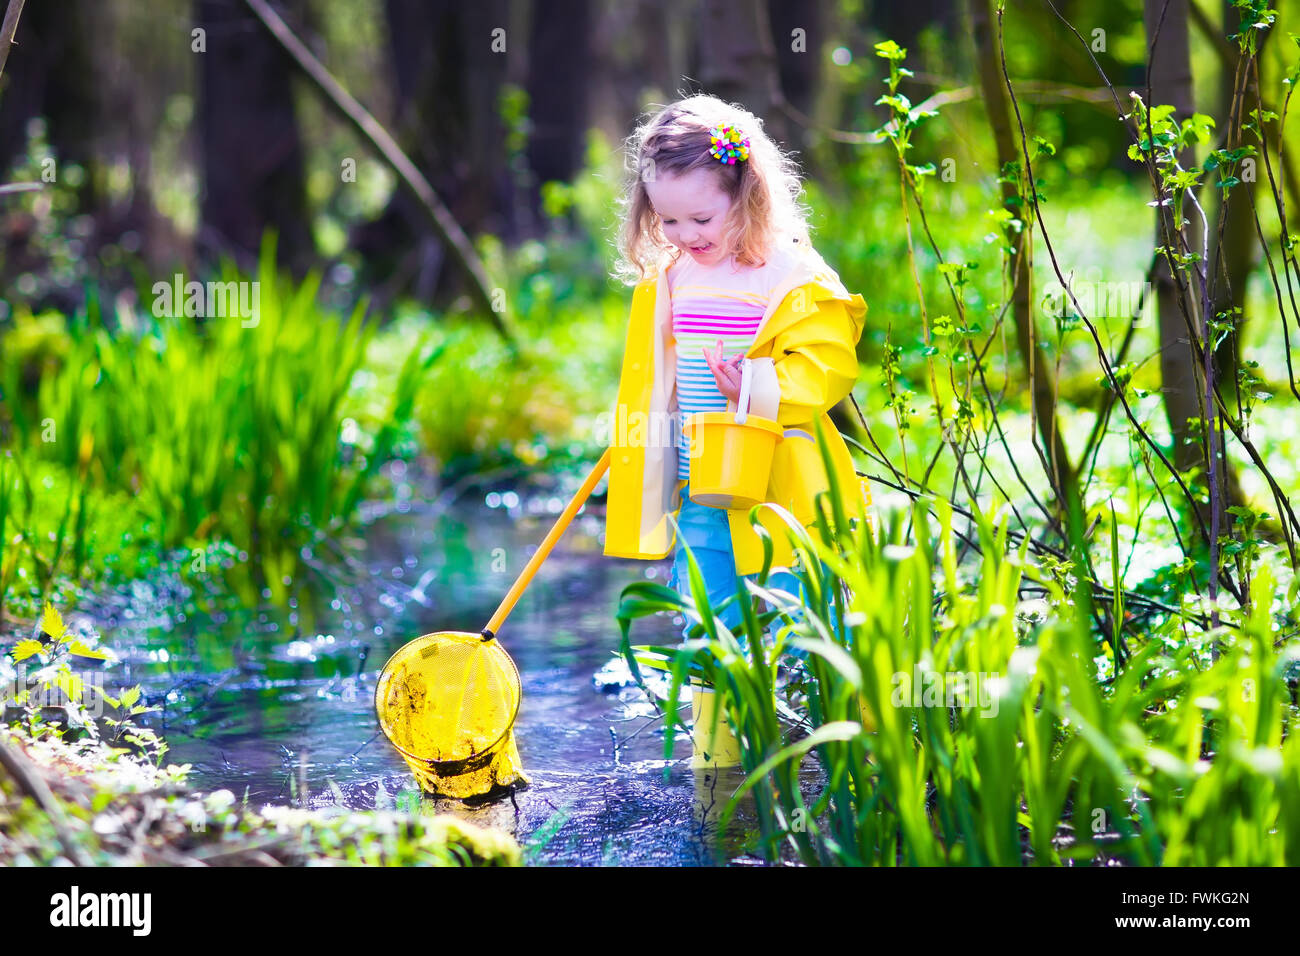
<point>448,703</point>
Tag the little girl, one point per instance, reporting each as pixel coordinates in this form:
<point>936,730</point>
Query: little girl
<point>716,243</point>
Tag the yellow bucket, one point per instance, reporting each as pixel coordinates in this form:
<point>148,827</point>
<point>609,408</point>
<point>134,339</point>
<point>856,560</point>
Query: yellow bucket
<point>731,452</point>
<point>730,460</point>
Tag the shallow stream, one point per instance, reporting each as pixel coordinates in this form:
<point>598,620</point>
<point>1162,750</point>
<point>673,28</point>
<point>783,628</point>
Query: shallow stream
<point>280,713</point>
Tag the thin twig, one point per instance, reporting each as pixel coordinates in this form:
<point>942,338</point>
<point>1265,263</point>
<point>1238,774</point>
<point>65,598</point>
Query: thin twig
<point>36,788</point>
<point>8,29</point>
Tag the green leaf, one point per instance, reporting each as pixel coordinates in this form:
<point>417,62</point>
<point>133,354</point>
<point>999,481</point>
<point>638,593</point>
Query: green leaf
<point>82,649</point>
<point>25,649</point>
<point>52,623</point>
<point>71,686</point>
<point>890,50</point>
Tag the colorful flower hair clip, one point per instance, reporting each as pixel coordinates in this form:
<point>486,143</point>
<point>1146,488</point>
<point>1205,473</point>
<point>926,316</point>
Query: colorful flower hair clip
<point>729,144</point>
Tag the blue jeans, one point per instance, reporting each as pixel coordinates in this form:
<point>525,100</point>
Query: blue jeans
<point>708,533</point>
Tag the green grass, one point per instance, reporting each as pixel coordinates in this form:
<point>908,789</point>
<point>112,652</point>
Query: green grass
<point>188,435</point>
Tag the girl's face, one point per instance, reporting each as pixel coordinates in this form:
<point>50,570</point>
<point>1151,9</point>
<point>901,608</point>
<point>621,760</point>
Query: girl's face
<point>693,210</point>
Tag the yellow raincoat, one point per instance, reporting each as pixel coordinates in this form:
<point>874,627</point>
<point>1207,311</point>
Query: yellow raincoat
<point>810,331</point>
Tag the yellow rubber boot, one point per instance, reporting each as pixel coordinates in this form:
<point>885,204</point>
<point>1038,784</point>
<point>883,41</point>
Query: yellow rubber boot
<point>713,744</point>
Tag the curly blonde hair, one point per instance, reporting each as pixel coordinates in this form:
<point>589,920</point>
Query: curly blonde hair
<point>764,189</point>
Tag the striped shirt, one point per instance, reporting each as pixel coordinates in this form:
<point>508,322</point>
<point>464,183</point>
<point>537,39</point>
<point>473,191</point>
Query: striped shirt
<point>722,301</point>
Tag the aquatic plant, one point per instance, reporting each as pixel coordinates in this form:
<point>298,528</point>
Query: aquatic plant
<point>217,430</point>
<point>971,715</point>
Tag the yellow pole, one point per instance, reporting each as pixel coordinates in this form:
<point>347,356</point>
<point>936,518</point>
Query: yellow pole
<point>544,549</point>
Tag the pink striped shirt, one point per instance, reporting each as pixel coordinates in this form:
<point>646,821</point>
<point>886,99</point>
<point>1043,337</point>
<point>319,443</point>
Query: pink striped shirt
<point>723,301</point>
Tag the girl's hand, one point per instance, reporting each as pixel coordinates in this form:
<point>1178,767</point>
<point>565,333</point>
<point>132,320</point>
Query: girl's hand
<point>726,372</point>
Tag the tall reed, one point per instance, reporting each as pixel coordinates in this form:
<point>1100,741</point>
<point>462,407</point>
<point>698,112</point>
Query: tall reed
<point>220,430</point>
<point>951,728</point>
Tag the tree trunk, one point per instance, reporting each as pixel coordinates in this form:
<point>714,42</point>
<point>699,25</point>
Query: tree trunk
<point>252,155</point>
<point>101,91</point>
<point>738,60</point>
<point>1060,472</point>
<point>1181,385</point>
<point>798,56</point>
<point>449,80</point>
<point>559,76</point>
<point>904,22</point>
<point>1237,253</point>
<point>627,78</point>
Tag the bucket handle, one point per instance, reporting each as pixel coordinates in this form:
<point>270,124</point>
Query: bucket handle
<point>746,381</point>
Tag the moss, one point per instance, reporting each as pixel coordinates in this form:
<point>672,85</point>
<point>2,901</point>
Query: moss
<point>118,810</point>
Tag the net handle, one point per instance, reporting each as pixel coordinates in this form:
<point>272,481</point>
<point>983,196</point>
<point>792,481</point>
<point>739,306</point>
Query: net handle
<point>544,549</point>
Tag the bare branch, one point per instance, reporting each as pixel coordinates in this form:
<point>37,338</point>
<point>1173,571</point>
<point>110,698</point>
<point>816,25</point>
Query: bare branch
<point>7,31</point>
<point>440,218</point>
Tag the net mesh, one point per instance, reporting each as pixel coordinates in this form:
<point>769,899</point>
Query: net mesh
<point>448,702</point>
